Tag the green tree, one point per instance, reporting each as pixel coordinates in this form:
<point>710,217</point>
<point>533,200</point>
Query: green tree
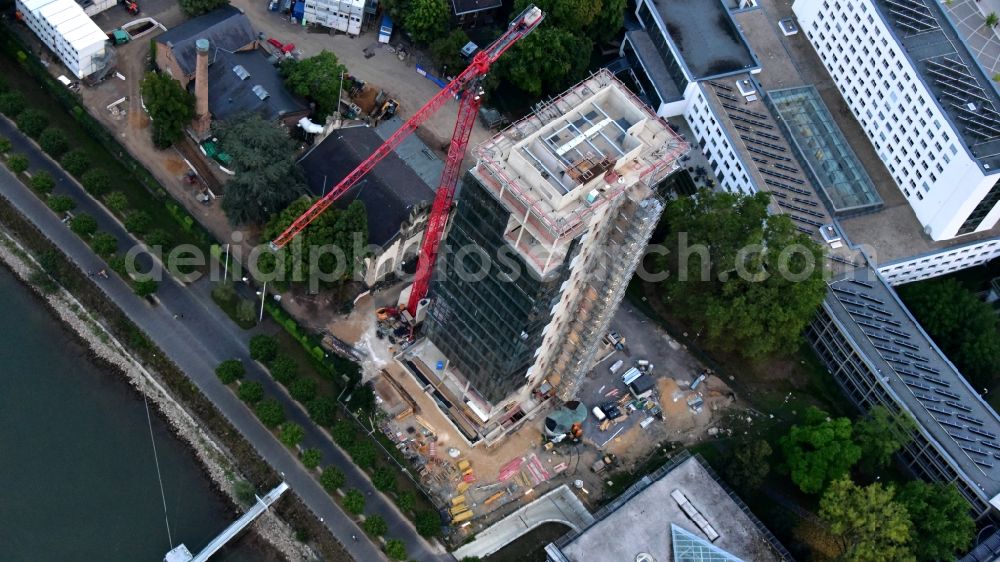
<point>291,433</point>
<point>32,122</point>
<point>116,201</point>
<point>17,163</point>
<point>311,458</point>
<point>406,501</point>
<point>246,312</point>
<point>54,142</point>
<point>12,104</point>
<point>964,327</point>
<point>42,181</point>
<point>749,465</point>
<point>244,492</point>
<point>375,526</point>
<point>145,287</point>
<point>83,225</point>
<point>192,8</point>
<point>762,280</point>
<point>137,222</point>
<point>61,203</point>
<point>608,22</point>
<point>269,412</point>
<point>251,392</point>
<point>96,181</point>
<point>345,229</point>
<point>942,526</point>
<point>547,61</point>
<point>303,389</point>
<point>104,244</point>
<point>284,370</point>
<point>992,19</point>
<point>316,78</point>
<point>159,237</point>
<point>76,161</point>
<point>819,450</point>
<point>395,549</point>
<point>446,52</point>
<point>343,433</point>
<point>575,16</point>
<point>267,178</point>
<point>263,348</point>
<point>230,370</point>
<point>426,20</point>
<point>384,479</point>
<point>5,145</point>
<point>170,106</point>
<point>362,453</point>
<point>428,523</point>
<point>332,479</point>
<point>354,501</point>
<point>867,522</point>
<point>322,410</point>
<point>880,435</point>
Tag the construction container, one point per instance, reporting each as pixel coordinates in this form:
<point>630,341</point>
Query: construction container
<point>464,516</point>
<point>457,500</point>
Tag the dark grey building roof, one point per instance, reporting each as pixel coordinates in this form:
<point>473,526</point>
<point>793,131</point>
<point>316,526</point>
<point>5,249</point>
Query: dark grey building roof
<point>225,28</point>
<point>944,64</point>
<point>919,375</point>
<point>706,36</point>
<point>230,94</point>
<point>653,64</point>
<point>461,7</point>
<point>389,191</point>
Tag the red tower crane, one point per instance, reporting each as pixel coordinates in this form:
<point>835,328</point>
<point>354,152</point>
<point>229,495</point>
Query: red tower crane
<point>467,87</point>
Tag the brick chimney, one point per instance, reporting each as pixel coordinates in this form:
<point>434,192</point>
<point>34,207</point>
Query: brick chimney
<point>202,119</point>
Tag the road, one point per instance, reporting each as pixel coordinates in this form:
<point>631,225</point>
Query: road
<point>197,343</point>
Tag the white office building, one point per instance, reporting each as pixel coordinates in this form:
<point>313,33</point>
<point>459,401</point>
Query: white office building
<point>342,15</point>
<point>64,28</point>
<point>923,100</point>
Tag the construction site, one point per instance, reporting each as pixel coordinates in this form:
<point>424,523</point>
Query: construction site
<point>518,370</point>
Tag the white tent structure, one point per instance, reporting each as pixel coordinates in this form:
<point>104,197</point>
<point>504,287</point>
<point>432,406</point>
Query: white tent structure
<point>64,28</point>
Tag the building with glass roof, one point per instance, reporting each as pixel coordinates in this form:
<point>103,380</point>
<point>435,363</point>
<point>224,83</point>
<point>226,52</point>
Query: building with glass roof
<point>829,161</point>
<point>680,513</point>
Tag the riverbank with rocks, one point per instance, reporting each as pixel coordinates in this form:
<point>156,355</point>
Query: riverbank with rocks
<point>106,350</point>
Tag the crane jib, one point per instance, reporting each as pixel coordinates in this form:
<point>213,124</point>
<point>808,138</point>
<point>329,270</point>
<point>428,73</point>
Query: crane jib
<point>466,84</point>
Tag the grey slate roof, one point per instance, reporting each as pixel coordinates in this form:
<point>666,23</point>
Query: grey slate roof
<point>389,191</point>
<point>229,95</point>
<point>226,28</point>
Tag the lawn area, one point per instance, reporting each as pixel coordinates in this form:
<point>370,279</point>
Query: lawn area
<point>79,129</point>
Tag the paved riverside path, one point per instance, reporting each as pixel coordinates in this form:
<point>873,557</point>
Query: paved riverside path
<point>197,343</point>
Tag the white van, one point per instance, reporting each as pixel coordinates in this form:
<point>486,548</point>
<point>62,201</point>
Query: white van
<point>617,365</point>
<point>598,413</point>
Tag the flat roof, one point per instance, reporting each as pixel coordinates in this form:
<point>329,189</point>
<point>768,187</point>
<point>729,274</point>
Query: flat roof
<point>553,169</point>
<point>653,63</point>
<point>640,520</point>
<point>819,142</point>
<point>706,36</point>
<point>945,65</point>
<point>926,383</point>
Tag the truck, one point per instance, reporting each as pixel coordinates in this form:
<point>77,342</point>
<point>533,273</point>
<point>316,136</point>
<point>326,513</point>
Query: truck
<point>385,29</point>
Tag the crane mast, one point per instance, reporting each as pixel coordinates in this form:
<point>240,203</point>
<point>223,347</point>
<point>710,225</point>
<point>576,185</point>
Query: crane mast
<point>465,86</point>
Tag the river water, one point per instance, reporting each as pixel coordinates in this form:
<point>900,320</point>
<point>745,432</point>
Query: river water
<point>78,479</point>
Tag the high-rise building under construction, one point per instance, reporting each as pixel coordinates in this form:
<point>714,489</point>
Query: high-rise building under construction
<point>549,227</point>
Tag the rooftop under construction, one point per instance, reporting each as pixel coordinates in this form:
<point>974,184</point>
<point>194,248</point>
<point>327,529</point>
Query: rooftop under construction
<point>527,325</point>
